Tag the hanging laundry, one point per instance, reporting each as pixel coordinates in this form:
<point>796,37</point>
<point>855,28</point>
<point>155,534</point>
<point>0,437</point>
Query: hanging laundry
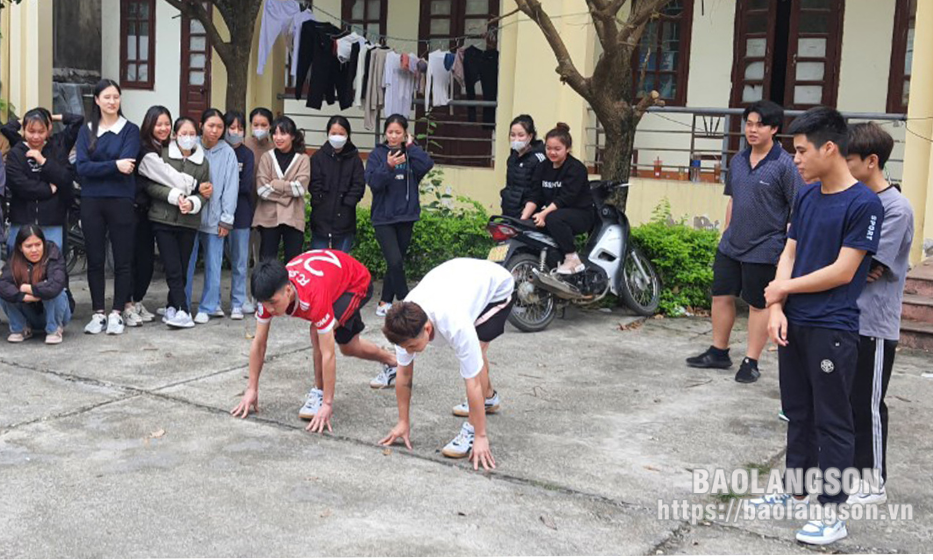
<point>276,19</point>
<point>362,64</point>
<point>458,68</point>
<point>483,67</point>
<point>317,56</point>
<point>439,81</point>
<point>297,21</point>
<point>374,97</point>
<point>345,46</point>
<point>346,76</point>
<point>399,86</point>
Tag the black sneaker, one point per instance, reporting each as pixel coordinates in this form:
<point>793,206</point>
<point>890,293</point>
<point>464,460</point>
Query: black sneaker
<point>748,372</point>
<point>711,359</point>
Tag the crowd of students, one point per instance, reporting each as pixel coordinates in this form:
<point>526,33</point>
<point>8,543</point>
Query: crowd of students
<point>817,244</point>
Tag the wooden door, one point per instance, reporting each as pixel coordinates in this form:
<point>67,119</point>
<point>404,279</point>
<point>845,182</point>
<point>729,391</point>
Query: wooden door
<point>195,67</point>
<point>813,54</point>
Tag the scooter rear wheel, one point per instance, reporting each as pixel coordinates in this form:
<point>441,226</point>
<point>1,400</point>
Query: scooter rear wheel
<point>534,308</point>
<point>641,285</point>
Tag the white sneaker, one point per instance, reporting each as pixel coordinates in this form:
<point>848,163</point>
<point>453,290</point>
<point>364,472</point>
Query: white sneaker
<point>219,313</point>
<point>236,314</point>
<point>866,496</point>
<point>382,309</point>
<point>571,265</point>
<point>144,313</point>
<point>769,500</point>
<point>312,404</point>
<point>201,318</point>
<point>249,307</point>
<point>492,405</point>
<point>461,445</point>
<point>115,323</point>
<point>180,320</point>
<point>97,325</point>
<point>818,532</point>
<point>167,313</point>
<point>131,318</point>
<point>385,379</point>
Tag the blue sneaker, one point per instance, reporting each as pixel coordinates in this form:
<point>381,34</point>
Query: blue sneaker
<point>769,500</point>
<point>818,532</point>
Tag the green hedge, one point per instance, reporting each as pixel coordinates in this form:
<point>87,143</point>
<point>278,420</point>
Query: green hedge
<point>683,256</point>
<point>449,227</point>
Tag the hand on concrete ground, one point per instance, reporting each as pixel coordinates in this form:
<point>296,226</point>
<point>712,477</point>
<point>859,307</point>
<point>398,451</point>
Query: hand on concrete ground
<point>481,454</point>
<point>321,419</point>
<point>401,430</point>
<point>250,400</point>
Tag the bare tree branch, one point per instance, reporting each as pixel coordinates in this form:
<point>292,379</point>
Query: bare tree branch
<point>194,10</point>
<point>565,66</point>
<point>641,13</point>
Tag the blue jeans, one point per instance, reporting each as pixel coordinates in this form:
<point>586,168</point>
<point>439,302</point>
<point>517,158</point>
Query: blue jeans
<point>237,243</point>
<point>340,242</point>
<point>213,259</point>
<point>52,233</point>
<point>55,313</point>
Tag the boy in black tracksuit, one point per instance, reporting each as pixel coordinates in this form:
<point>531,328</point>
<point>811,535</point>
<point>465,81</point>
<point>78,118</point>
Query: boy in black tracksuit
<point>814,315</point>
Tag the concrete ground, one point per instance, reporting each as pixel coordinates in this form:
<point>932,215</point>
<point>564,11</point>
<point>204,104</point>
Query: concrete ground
<point>124,447</point>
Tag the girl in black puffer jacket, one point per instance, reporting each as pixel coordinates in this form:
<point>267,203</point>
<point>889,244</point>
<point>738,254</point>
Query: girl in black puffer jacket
<point>337,185</point>
<point>527,153</point>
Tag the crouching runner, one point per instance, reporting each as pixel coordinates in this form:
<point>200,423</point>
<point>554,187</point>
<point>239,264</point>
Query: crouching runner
<point>464,304</point>
<point>327,288</point>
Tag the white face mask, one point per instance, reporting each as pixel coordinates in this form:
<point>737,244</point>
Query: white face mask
<point>234,139</point>
<point>187,143</point>
<point>338,141</point>
<point>260,133</point>
<point>519,145</point>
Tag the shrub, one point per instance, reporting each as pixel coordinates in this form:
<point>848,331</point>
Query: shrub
<point>683,256</point>
<point>450,226</point>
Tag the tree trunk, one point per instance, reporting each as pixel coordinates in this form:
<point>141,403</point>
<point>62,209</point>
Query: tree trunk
<point>237,79</point>
<point>616,162</point>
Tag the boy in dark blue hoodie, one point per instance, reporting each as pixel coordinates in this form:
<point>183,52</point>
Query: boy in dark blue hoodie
<point>393,172</point>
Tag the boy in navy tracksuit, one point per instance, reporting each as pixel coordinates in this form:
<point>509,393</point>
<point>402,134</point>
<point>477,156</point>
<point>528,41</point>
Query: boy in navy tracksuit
<point>814,314</point>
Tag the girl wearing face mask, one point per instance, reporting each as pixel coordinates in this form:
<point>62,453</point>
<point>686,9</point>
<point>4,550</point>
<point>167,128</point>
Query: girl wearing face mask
<point>32,287</point>
<point>40,178</point>
<point>238,240</point>
<point>337,185</point>
<point>527,153</point>
<point>281,184</point>
<point>106,155</point>
<point>259,142</point>
<point>174,178</point>
<point>217,216</point>
<point>393,172</point>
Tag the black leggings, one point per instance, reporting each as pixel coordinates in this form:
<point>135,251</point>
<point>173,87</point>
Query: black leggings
<point>175,246</point>
<point>394,240</point>
<point>143,257</point>
<point>564,224</point>
<point>269,239</point>
<point>115,217</point>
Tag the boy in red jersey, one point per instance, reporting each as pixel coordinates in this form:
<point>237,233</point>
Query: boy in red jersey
<point>327,288</point>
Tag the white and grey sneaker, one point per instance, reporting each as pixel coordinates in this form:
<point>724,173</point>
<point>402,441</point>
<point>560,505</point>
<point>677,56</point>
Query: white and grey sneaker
<point>249,307</point>
<point>167,313</point>
<point>780,500</point>
<point>97,325</point>
<point>236,314</point>
<point>461,445</point>
<point>115,323</point>
<point>144,313</point>
<point>312,404</point>
<point>382,309</point>
<point>180,320</point>
<point>866,496</point>
<point>385,379</point>
<point>131,318</point>
<point>821,533</point>
<point>201,318</point>
<point>492,405</point>
<point>219,313</point>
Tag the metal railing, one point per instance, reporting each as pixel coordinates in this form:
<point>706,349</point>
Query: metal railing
<point>714,135</point>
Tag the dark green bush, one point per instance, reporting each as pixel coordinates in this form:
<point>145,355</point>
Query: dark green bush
<point>683,256</point>
<point>449,227</point>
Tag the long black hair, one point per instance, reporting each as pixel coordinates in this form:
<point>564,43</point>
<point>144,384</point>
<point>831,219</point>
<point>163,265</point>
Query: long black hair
<point>19,264</point>
<point>95,109</point>
<point>147,137</point>
<point>212,112</point>
<point>396,119</point>
<point>287,126</point>
<point>234,116</point>
<point>527,123</point>
<point>342,121</point>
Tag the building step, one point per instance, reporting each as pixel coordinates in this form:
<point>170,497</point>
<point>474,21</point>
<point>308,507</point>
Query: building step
<point>920,279</point>
<point>917,335</point>
<point>917,308</point>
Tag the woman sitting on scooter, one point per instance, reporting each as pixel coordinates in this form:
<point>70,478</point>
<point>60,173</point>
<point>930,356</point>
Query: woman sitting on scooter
<point>560,199</point>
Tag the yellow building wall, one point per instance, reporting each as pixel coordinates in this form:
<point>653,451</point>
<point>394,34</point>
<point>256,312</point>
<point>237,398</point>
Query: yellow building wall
<point>26,60</point>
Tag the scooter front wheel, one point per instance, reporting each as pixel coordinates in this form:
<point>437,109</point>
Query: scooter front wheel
<point>641,285</point>
<point>534,308</point>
